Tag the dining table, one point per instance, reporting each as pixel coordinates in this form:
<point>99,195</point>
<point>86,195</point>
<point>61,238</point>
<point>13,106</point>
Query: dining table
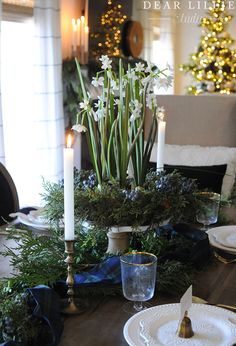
<point>103,322</point>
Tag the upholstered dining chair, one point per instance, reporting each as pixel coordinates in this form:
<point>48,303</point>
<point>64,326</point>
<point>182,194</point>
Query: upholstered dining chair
<point>9,201</point>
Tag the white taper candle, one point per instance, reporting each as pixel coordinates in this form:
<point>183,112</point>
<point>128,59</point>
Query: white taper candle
<point>161,144</point>
<point>74,34</point>
<point>69,191</point>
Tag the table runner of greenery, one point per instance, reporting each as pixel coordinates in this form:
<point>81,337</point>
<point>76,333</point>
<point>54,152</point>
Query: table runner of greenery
<point>39,259</point>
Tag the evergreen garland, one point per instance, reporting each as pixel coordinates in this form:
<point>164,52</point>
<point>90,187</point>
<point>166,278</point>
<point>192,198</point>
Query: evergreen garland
<point>39,259</point>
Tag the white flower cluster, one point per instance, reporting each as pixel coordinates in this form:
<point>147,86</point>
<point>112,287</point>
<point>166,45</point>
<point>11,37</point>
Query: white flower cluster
<point>101,109</point>
<point>79,128</point>
<point>84,105</point>
<point>135,108</point>
<point>106,62</point>
<point>141,82</point>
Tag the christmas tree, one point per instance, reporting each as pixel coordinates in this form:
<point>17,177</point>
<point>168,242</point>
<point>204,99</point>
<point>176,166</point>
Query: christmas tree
<point>213,66</point>
<point>108,38</point>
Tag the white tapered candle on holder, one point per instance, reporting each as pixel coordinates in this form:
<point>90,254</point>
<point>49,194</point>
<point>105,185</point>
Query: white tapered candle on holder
<point>69,190</point>
<point>161,141</point>
<point>86,38</point>
<point>74,35</point>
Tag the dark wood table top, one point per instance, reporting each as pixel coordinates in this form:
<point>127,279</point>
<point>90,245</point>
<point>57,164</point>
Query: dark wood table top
<point>104,325</point>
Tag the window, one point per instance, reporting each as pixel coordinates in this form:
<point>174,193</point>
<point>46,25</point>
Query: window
<point>17,96</point>
<point>32,107</point>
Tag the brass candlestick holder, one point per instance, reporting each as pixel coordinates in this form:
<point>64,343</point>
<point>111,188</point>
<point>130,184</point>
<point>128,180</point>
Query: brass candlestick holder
<point>73,306</point>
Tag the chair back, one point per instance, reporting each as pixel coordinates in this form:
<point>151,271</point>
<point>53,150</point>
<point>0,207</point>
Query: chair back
<point>9,201</point>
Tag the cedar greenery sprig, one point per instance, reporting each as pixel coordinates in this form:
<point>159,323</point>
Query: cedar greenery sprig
<point>162,197</point>
<point>16,322</point>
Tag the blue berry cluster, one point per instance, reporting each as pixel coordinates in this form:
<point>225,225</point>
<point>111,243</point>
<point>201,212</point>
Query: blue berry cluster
<point>131,195</point>
<point>8,326</point>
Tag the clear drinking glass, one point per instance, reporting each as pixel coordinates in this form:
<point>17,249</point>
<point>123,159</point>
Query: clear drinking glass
<point>207,212</point>
<point>138,273</point>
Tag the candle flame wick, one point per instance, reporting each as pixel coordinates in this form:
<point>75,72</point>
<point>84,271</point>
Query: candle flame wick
<point>69,141</point>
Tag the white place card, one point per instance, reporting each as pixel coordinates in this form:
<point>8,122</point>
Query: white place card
<point>186,302</point>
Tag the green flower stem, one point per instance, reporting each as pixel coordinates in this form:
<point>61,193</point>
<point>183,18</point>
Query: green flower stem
<point>116,152</point>
<point>85,96</point>
<point>94,149</point>
<point>125,128</point>
<point>109,148</point>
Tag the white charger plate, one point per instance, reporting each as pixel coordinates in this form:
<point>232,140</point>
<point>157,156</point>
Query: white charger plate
<point>157,326</point>
<point>219,236</point>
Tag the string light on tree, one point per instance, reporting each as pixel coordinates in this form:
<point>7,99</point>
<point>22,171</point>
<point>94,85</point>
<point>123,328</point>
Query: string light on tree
<point>213,66</point>
<point>109,35</point>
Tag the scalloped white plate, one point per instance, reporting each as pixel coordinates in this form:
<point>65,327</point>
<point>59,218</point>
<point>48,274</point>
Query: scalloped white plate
<point>222,238</point>
<point>225,235</point>
<point>157,326</point>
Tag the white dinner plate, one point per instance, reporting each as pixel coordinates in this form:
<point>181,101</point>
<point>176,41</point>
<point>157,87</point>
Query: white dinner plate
<point>223,238</point>
<point>37,216</point>
<point>34,219</point>
<point>227,237</point>
<point>157,326</point>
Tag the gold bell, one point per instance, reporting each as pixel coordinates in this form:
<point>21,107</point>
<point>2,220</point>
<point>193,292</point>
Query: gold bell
<point>185,328</point>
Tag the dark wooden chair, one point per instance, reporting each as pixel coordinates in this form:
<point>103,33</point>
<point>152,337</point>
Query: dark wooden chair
<point>9,202</point>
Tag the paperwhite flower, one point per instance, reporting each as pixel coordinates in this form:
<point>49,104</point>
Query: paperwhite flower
<point>170,79</point>
<point>94,114</point>
<point>117,102</point>
<point>97,81</point>
<point>136,109</point>
<point>151,100</point>
<point>135,104</point>
<point>84,105</point>
<point>149,67</point>
<point>106,62</point>
<point>160,113</point>
<point>79,128</point>
<point>139,67</point>
<point>131,75</point>
<point>135,115</point>
<point>124,82</point>
<point>132,118</point>
<point>146,80</point>
<point>100,113</point>
<point>114,85</point>
<point>164,82</point>
<point>101,98</point>
<point>170,68</point>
